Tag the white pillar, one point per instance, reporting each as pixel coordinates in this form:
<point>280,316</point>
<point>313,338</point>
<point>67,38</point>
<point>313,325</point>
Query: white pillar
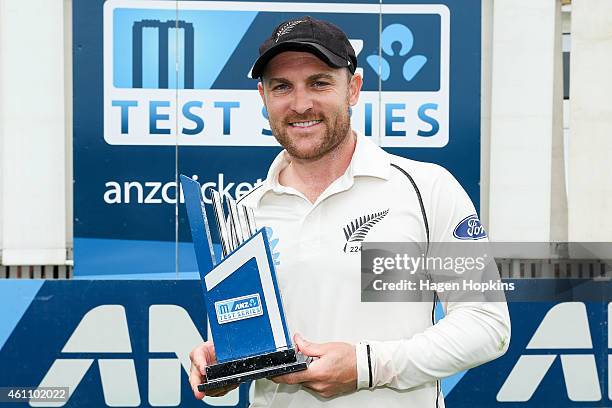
<point>485,108</point>
<point>32,132</point>
<point>68,122</point>
<point>590,144</point>
<point>558,191</point>
<point>523,118</point>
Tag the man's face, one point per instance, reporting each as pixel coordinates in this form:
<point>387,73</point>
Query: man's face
<point>308,103</point>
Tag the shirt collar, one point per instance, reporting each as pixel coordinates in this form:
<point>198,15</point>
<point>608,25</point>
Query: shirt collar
<point>368,160</point>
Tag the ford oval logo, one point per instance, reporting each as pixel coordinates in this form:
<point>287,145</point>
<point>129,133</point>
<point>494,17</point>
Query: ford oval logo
<point>470,228</point>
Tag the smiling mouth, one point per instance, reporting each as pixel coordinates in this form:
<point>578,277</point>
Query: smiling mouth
<point>305,124</point>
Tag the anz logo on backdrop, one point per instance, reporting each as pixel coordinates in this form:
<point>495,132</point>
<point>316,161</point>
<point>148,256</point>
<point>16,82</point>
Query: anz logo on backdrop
<point>563,336</point>
<point>102,340</point>
<point>178,73</point>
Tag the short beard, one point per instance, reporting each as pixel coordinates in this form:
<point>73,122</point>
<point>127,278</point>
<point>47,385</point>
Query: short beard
<point>335,134</point>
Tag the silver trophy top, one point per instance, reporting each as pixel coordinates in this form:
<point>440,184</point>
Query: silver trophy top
<point>235,222</point>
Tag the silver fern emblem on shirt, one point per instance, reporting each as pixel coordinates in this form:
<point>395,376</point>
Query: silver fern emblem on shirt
<point>358,229</point>
<point>286,28</point>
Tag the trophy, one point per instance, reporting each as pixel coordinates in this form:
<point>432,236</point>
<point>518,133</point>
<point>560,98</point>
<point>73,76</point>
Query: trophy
<point>241,293</point>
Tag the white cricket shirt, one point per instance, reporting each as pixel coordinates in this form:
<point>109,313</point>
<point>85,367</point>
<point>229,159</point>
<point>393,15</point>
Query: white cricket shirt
<point>319,278</point>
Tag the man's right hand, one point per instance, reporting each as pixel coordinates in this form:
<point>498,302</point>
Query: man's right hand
<point>201,356</point>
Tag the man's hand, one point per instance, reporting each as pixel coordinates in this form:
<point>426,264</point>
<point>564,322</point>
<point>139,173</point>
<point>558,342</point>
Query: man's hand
<point>202,356</point>
<point>333,370</point>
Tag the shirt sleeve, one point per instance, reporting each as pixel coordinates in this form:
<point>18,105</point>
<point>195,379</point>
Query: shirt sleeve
<point>364,367</point>
<point>470,334</point>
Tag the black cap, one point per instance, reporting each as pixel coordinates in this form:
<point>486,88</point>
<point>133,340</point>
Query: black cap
<point>307,34</point>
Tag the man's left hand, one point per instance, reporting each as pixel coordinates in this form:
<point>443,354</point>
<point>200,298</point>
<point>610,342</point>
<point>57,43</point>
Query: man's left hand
<point>333,370</point>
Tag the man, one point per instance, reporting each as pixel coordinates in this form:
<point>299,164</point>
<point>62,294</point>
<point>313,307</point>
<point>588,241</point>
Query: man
<point>327,183</point>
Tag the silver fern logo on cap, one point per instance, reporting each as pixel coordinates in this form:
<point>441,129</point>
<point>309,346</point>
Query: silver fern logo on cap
<point>358,229</point>
<point>286,28</point>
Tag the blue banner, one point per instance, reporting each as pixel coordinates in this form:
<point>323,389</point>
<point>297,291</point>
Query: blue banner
<point>126,343</point>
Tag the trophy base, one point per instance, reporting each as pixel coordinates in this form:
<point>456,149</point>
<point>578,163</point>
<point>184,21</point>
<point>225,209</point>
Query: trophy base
<point>253,368</point>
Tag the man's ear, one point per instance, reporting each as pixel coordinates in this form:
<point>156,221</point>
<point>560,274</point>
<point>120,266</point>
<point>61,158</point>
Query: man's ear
<point>260,88</point>
<point>355,85</point>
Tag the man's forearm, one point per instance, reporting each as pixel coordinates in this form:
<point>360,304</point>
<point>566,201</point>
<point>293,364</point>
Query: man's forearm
<point>470,334</point>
